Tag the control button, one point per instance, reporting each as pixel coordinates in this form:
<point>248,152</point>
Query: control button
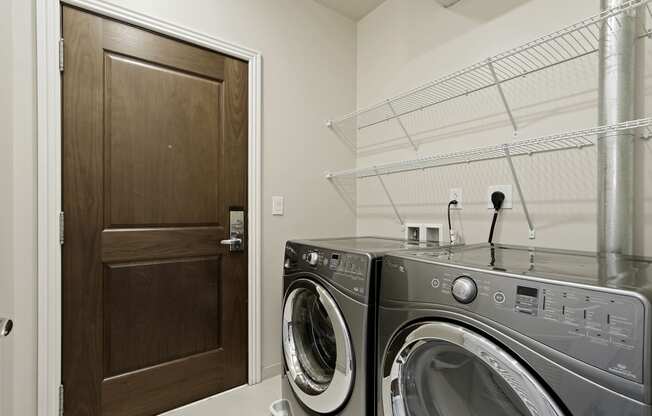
<point>464,289</point>
<point>499,297</point>
<point>435,283</point>
<point>313,258</point>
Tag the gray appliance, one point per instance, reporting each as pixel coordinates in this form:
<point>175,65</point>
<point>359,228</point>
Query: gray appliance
<point>329,309</point>
<point>508,330</point>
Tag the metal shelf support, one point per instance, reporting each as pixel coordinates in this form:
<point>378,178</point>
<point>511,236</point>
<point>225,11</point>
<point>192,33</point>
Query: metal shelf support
<point>333,127</point>
<point>400,123</point>
<point>499,87</point>
<point>389,198</point>
<point>517,183</point>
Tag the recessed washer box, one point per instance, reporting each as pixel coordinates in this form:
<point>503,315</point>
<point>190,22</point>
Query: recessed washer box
<point>431,233</point>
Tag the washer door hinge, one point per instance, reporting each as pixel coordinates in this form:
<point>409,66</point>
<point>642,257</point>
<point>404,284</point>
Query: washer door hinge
<point>61,228</point>
<point>61,55</point>
<point>61,400</point>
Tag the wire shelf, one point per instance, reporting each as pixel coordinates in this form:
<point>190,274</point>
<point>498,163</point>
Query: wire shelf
<point>575,41</point>
<point>561,141</point>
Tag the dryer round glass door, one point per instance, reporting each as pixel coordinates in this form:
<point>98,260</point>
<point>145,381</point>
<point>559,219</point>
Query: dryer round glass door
<point>317,347</point>
<point>442,369</point>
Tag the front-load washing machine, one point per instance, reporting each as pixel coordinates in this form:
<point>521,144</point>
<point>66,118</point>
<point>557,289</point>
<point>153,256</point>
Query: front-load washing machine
<point>503,330</point>
<point>329,330</point>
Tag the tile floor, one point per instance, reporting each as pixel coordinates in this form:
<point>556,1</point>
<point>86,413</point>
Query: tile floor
<point>241,401</point>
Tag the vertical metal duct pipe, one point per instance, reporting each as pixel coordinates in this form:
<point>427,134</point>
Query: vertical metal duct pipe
<point>616,103</point>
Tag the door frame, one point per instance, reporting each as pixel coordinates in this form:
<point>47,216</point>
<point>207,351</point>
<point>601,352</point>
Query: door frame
<point>48,33</point>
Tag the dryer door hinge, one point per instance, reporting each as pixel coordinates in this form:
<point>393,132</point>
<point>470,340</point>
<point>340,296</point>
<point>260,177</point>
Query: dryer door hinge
<point>61,55</point>
<point>61,400</point>
<point>61,228</point>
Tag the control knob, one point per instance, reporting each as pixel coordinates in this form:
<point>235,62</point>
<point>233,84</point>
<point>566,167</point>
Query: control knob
<point>464,289</point>
<point>312,258</point>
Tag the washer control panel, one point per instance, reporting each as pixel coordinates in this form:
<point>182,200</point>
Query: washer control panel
<point>347,271</point>
<point>598,327</point>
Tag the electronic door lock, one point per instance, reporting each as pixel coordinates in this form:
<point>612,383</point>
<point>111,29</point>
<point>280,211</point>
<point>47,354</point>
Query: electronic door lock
<point>236,230</point>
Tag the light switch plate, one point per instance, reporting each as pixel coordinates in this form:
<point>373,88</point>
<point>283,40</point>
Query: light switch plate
<point>507,190</point>
<point>278,205</point>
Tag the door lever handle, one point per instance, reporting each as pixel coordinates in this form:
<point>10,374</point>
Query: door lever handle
<point>231,242</point>
<point>6,325</point>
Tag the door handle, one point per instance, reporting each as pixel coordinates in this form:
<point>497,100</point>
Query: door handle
<point>6,325</point>
<point>231,242</point>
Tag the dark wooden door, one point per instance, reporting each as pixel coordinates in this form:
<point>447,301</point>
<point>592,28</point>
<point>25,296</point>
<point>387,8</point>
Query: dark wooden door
<point>154,155</point>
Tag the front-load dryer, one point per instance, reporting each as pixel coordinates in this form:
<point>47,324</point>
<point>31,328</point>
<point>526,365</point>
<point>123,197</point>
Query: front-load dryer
<point>496,330</point>
<point>329,323</point>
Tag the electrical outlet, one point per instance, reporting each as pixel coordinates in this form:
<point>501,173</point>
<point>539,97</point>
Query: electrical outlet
<point>456,194</point>
<point>506,189</point>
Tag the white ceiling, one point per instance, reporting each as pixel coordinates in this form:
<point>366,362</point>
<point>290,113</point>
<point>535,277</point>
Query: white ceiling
<point>353,9</point>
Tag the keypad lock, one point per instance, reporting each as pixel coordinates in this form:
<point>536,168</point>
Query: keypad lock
<point>236,230</point>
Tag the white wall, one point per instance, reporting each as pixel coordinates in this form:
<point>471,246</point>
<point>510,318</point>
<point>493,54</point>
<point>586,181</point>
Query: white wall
<point>6,208</point>
<point>18,211</point>
<point>309,56</point>
<point>403,44</point>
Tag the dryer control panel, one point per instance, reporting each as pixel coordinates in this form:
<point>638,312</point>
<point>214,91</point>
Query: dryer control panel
<point>347,271</point>
<point>599,327</point>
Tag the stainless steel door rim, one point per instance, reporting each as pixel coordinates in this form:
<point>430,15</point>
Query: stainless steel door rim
<point>320,396</point>
<point>532,395</point>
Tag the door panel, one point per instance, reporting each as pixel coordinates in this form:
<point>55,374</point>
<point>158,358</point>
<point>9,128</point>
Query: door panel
<point>180,318</point>
<point>154,156</point>
<point>163,135</point>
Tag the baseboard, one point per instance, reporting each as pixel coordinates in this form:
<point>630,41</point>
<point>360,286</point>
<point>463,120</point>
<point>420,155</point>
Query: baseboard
<point>272,371</point>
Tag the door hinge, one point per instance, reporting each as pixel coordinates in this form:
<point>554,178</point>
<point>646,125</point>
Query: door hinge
<point>61,228</point>
<point>61,55</point>
<point>61,400</point>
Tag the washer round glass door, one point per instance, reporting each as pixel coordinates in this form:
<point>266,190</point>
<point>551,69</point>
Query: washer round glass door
<point>442,369</point>
<point>317,347</point>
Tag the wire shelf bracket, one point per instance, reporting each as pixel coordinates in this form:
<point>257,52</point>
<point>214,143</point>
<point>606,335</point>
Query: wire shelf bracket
<point>499,87</point>
<point>517,183</point>
<point>402,126</point>
<point>335,129</point>
<point>389,198</point>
